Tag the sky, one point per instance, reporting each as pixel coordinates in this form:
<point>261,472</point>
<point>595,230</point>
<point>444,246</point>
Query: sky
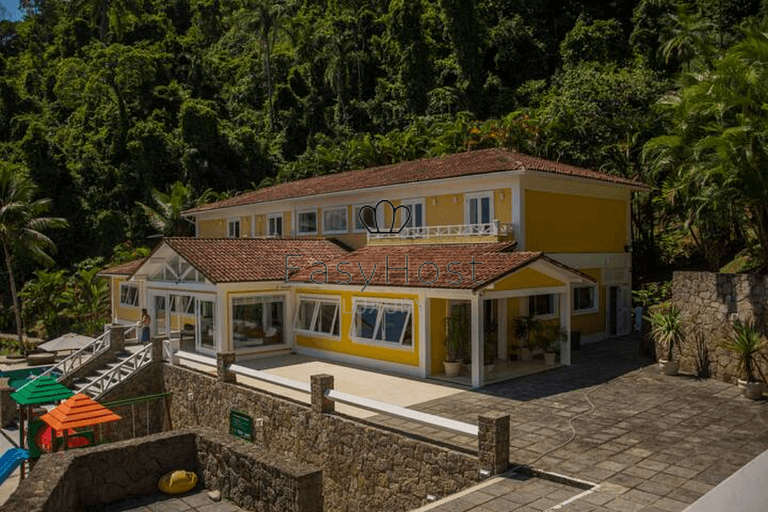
<point>12,10</point>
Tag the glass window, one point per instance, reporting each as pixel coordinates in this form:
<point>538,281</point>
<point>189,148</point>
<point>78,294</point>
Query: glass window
<point>584,298</point>
<point>335,220</point>
<point>417,215</point>
<point>542,305</point>
<point>479,210</point>
<point>233,230</point>
<point>318,316</point>
<point>275,225</point>
<point>307,222</point>
<point>383,322</point>
<point>129,295</point>
<point>257,321</point>
<point>367,215</point>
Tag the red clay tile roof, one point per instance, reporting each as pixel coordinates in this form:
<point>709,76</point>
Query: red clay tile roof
<point>451,166</point>
<point>233,260</point>
<point>492,262</point>
<point>126,269</point>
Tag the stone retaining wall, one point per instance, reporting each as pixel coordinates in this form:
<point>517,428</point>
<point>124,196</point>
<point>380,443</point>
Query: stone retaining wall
<point>363,466</point>
<point>709,304</point>
<point>78,479</point>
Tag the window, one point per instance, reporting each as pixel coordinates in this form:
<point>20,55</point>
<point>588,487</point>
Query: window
<point>318,316</point>
<point>129,295</point>
<point>233,229</point>
<point>585,298</point>
<point>275,225</point>
<point>479,209</point>
<point>257,321</point>
<point>307,222</point>
<point>335,220</point>
<point>368,218</point>
<point>417,214</point>
<point>182,304</point>
<point>383,322</point>
<point>542,305</point>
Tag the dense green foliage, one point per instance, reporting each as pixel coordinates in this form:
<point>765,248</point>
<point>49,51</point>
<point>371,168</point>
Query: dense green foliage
<point>125,112</point>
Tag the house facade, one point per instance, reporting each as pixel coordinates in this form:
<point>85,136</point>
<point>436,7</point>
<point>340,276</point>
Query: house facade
<point>365,266</point>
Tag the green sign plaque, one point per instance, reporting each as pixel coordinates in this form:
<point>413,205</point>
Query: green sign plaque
<point>241,425</point>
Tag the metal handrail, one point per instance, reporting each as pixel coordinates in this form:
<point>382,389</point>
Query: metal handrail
<point>99,346</point>
<point>107,380</point>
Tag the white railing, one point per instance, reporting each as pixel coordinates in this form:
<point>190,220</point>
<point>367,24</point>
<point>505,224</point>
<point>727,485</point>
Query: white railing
<point>488,229</point>
<point>116,375</point>
<point>367,404</point>
<point>78,358</point>
<point>167,352</point>
<point>196,358</point>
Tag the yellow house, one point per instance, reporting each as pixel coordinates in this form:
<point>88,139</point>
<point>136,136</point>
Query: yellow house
<point>365,266</point>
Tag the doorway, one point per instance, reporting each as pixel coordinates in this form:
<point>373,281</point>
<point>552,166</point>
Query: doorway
<point>190,318</point>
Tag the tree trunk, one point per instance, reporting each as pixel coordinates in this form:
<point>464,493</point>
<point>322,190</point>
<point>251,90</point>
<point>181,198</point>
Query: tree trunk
<point>267,66</point>
<point>760,214</point>
<point>14,297</point>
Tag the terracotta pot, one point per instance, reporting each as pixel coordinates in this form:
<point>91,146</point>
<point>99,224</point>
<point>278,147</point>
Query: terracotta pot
<point>668,367</point>
<point>452,368</point>
<point>753,390</point>
<point>526,354</point>
<point>549,358</point>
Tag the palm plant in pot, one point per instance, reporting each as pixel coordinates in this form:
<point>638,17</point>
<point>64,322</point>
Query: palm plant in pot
<point>548,336</point>
<point>522,326</point>
<point>666,331</point>
<point>748,344</point>
<point>490,346</point>
<point>457,335</point>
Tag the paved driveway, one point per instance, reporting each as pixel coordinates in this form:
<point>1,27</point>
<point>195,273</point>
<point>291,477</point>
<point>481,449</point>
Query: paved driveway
<point>652,442</point>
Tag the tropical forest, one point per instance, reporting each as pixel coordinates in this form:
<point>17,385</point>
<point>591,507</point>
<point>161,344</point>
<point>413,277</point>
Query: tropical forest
<point>117,115</point>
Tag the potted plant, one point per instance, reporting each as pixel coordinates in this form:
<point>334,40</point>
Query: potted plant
<point>490,347</point>
<point>748,343</point>
<point>548,336</point>
<point>666,331</point>
<point>522,327</point>
<point>457,334</point>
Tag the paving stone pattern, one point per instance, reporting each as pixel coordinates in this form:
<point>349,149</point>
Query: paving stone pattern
<point>653,443</point>
<point>195,501</point>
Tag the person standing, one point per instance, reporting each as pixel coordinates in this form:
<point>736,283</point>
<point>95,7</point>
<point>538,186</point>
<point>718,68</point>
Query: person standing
<point>144,324</point>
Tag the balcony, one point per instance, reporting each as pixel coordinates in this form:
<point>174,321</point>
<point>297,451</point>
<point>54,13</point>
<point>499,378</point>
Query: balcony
<point>454,234</point>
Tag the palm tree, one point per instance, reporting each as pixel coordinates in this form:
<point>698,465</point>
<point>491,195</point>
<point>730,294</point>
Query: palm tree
<point>21,226</point>
<point>270,15</point>
<point>166,217</point>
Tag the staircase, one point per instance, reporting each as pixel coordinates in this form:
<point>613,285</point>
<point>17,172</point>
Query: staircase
<point>103,364</point>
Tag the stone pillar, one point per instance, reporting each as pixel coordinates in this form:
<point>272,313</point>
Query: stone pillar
<point>157,348</point>
<point>117,338</point>
<point>223,360</point>
<point>320,383</point>
<point>493,442</point>
<point>8,410</point>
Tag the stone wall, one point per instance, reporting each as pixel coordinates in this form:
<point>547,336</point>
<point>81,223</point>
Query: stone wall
<point>709,304</point>
<point>79,479</point>
<point>363,465</point>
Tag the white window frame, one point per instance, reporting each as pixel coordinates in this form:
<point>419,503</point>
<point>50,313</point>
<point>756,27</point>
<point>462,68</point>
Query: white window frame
<point>346,220</point>
<point>262,299</point>
<point>381,305</point>
<point>555,307</point>
<point>595,298</point>
<point>320,300</point>
<point>411,203</point>
<point>120,297</point>
<point>378,215</point>
<point>272,216</point>
<point>479,196</point>
<point>299,213</point>
<point>233,222</point>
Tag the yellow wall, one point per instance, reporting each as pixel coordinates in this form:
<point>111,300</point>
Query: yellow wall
<point>126,313</point>
<point>526,278</point>
<point>591,323</point>
<point>345,345</point>
<point>437,312</point>
<point>571,223</point>
<point>287,223</point>
<point>502,208</point>
<point>245,227</point>
<point>212,229</point>
<point>513,311</point>
<point>445,210</point>
<point>260,225</point>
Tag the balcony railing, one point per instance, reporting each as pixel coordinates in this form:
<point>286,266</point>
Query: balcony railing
<point>490,229</point>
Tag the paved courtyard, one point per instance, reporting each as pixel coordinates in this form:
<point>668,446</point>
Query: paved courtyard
<point>194,501</point>
<point>652,442</point>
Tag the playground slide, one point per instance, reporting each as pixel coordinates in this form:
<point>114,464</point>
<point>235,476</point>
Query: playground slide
<point>10,461</point>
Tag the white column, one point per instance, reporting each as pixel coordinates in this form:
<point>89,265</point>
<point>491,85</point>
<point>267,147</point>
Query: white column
<point>565,321</point>
<point>503,343</point>
<point>476,327</point>
<point>425,343</point>
<point>223,343</point>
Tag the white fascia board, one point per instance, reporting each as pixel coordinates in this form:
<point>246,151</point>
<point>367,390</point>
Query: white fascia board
<point>563,184</point>
<point>556,272</point>
<point>593,260</point>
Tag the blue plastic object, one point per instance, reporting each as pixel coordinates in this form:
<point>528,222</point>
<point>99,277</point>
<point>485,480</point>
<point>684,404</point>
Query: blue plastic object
<point>10,461</point>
